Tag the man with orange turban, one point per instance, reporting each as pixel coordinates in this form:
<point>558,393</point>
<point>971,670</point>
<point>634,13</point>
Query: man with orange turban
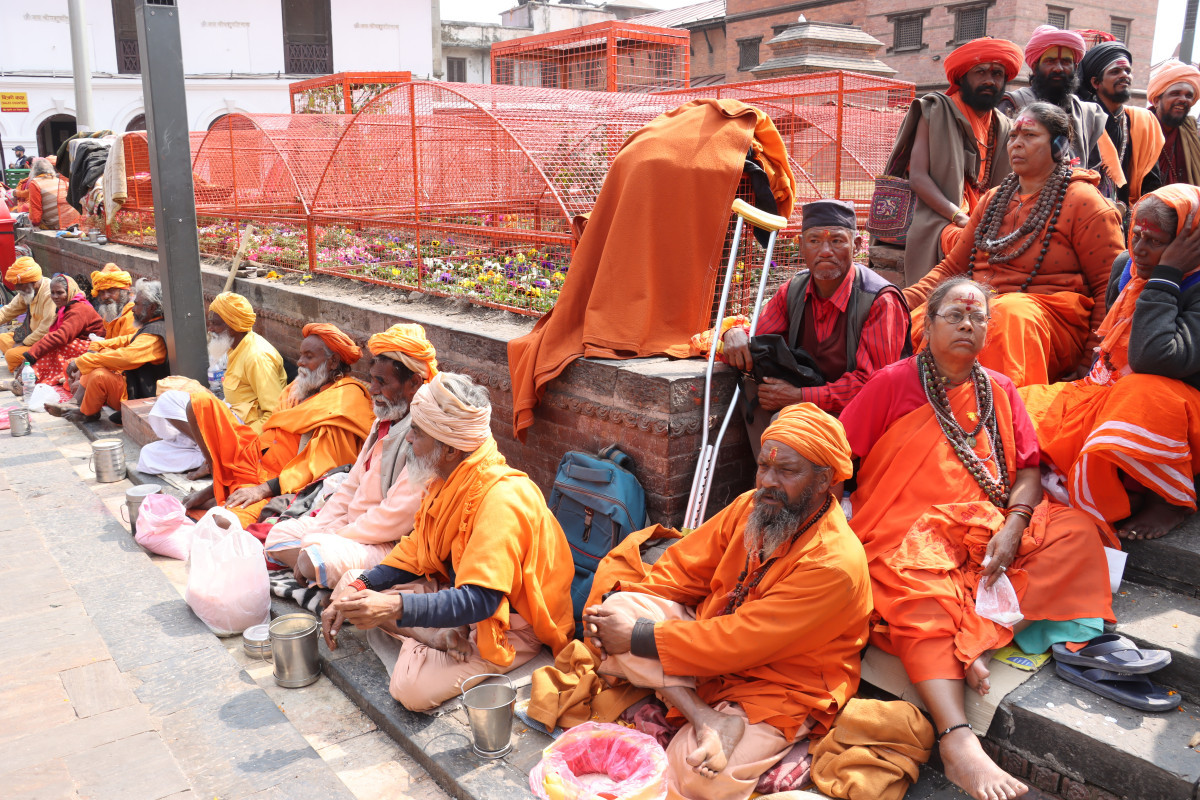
<point>1174,89</point>
<point>33,299</point>
<point>962,127</point>
<point>750,627</point>
<point>374,507</point>
<point>484,579</point>
<point>111,287</point>
<point>322,421</point>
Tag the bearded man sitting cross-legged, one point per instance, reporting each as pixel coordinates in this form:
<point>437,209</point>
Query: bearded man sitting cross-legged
<point>751,626</point>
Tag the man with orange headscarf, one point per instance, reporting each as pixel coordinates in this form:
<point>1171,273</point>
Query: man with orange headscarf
<point>1174,89</point>
<point>750,627</point>
<point>962,127</point>
<point>33,299</point>
<point>1133,420</point>
<point>484,579</point>
<point>323,419</point>
<point>111,287</point>
<point>375,505</point>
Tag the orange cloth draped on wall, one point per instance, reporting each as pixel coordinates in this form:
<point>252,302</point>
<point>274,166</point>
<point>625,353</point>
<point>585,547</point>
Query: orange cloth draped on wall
<point>489,523</point>
<point>642,278</point>
<point>331,425</point>
<point>925,524</point>
<point>1039,334</point>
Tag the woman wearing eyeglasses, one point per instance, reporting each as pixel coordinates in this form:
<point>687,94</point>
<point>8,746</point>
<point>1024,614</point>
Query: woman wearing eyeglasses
<point>1044,240</point>
<point>949,500</point>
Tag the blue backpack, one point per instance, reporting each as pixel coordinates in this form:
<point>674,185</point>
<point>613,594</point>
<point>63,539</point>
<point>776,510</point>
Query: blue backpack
<point>598,502</point>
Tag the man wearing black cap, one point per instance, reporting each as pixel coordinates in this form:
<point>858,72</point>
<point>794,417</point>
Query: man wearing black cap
<point>23,161</point>
<point>1106,73</point>
<point>844,315</point>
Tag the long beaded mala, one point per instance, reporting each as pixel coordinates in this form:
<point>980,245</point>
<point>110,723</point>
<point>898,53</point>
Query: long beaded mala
<point>743,588</point>
<point>981,186</point>
<point>960,441</point>
<point>1001,249</point>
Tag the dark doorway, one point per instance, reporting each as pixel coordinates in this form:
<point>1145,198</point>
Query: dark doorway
<point>53,131</point>
<point>138,123</point>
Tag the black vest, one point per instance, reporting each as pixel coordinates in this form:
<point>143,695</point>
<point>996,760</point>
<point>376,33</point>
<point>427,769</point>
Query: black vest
<point>142,382</point>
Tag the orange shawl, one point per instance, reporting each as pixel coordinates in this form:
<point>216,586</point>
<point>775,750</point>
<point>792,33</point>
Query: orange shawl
<point>492,524</point>
<point>642,277</point>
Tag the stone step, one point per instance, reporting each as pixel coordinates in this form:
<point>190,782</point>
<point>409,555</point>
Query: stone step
<point>1172,562</point>
<point>1157,618</point>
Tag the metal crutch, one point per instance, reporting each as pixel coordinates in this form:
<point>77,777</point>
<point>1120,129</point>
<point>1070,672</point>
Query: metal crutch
<point>706,467</point>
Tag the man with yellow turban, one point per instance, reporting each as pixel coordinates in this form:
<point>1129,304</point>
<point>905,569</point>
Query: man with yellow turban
<point>1174,89</point>
<point>374,506</point>
<point>321,423</point>
<point>968,136</point>
<point>484,579</point>
<point>112,288</point>
<point>750,627</point>
<point>33,299</point>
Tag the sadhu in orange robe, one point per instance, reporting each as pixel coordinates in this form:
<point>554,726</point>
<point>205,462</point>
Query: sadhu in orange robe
<point>298,444</point>
<point>1043,332</point>
<point>925,524</point>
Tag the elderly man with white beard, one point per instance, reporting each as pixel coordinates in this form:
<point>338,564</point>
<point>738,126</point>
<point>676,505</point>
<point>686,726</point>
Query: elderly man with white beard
<point>113,289</point>
<point>375,505</point>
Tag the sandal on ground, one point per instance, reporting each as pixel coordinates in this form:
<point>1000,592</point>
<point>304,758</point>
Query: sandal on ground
<point>1135,691</point>
<point>1114,653</point>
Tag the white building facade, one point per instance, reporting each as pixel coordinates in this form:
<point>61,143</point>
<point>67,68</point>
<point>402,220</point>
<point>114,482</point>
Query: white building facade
<point>238,56</point>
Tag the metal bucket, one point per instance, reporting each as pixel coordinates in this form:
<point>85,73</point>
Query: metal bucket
<point>489,701</point>
<point>107,460</point>
<point>133,501</point>
<point>294,647</point>
<point>18,422</point>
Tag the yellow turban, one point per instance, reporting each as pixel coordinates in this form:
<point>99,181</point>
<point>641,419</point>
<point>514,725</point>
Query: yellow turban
<point>23,270</point>
<point>815,435</point>
<point>408,345</point>
<point>235,310</point>
<point>341,344</point>
<point>111,277</point>
<point>437,412</point>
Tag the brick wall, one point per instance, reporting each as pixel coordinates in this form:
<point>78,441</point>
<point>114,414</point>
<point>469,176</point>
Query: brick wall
<point>708,51</point>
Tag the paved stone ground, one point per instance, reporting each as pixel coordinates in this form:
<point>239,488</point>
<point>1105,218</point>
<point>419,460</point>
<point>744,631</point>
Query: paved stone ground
<point>111,688</point>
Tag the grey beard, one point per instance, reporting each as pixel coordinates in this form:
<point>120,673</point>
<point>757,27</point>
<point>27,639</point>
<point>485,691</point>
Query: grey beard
<point>309,382</point>
<point>109,311</point>
<point>422,470</point>
<point>768,529</point>
<point>27,294</point>
<point>218,346</point>
<point>387,411</point>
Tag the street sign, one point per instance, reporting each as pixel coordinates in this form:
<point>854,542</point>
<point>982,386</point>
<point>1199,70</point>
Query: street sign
<point>14,101</point>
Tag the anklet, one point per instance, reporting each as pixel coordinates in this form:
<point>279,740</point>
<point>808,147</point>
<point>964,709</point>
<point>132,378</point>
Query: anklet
<point>953,728</point>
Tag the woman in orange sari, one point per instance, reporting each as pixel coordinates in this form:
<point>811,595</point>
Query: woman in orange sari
<point>949,502</point>
<point>1125,440</point>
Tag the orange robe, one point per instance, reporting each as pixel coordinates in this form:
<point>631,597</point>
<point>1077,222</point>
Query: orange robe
<point>792,649</point>
<point>297,445</point>
<point>926,523</point>
<point>1046,331</point>
<point>489,523</point>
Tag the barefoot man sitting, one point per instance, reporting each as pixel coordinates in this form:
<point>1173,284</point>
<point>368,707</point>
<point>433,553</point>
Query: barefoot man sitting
<point>484,579</point>
<point>750,627</point>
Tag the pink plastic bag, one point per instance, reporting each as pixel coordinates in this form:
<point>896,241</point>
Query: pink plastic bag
<point>163,526</point>
<point>227,583</point>
<point>998,603</point>
<point>599,760</point>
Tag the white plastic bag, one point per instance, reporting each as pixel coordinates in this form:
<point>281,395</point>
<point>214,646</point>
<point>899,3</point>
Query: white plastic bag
<point>42,394</point>
<point>227,583</point>
<point>163,526</point>
<point>999,602</point>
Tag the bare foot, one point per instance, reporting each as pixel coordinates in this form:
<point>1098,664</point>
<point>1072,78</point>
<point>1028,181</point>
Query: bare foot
<point>972,771</point>
<point>16,387</point>
<point>200,472</point>
<point>977,674</point>
<point>60,409</point>
<point>454,642</point>
<point>717,735</point>
<point>1156,518</point>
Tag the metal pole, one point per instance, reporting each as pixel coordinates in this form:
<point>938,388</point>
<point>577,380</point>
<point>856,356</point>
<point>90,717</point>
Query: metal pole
<point>1189,31</point>
<point>81,66</point>
<point>171,181</point>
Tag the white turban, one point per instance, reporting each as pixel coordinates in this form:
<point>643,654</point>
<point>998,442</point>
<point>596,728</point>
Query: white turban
<point>437,412</point>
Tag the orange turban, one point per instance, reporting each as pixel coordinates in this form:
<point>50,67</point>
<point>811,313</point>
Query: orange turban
<point>408,345</point>
<point>111,277</point>
<point>341,344</point>
<point>23,270</point>
<point>813,434</point>
<point>1046,36</point>
<point>1182,198</point>
<point>437,412</point>
<point>982,51</point>
<point>235,310</point>
<point>1171,72</point>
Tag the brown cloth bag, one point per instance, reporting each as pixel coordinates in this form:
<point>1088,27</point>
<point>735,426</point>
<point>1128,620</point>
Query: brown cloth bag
<point>874,751</point>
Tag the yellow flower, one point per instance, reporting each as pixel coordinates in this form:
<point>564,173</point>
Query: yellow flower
<point>395,272</point>
<point>272,275</point>
<point>520,258</point>
<point>535,292</point>
<point>558,276</point>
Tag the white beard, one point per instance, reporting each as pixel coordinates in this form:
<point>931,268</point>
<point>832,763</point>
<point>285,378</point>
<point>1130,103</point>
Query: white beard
<point>309,381</point>
<point>109,311</point>
<point>422,470</point>
<point>387,411</point>
<point>27,294</point>
<point>218,346</point>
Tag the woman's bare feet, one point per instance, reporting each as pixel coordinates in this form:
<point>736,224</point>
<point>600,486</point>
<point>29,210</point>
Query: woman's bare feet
<point>717,735</point>
<point>977,674</point>
<point>972,771</point>
<point>1156,518</point>
<point>200,472</point>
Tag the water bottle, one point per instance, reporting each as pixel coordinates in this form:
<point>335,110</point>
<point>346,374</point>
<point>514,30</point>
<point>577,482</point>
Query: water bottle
<point>216,373</point>
<point>28,381</point>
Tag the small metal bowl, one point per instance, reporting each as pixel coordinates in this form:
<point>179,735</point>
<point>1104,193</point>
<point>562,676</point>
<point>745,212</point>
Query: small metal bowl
<point>256,641</point>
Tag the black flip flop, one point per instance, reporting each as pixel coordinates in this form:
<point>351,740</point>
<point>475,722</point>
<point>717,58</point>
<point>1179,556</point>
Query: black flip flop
<point>1114,653</point>
<point>1135,691</point>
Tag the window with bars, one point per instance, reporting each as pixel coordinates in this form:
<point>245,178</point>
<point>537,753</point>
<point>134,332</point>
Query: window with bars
<point>129,60</point>
<point>748,53</point>
<point>307,37</point>
<point>908,33</point>
<point>662,62</point>
<point>970,23</point>
<point>1119,28</point>
<point>1059,17</point>
<point>456,70</point>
